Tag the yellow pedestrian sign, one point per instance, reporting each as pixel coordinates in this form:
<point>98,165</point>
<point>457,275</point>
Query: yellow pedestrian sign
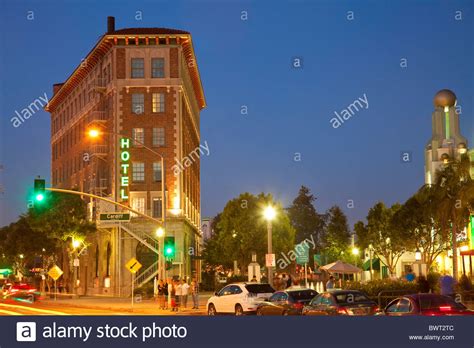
<point>55,272</point>
<point>133,265</point>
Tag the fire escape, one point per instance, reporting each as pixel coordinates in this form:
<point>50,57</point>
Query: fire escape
<point>140,229</point>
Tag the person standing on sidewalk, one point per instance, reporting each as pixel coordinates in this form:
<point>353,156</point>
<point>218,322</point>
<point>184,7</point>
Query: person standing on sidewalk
<point>184,293</point>
<point>178,294</point>
<point>195,293</point>
<point>170,293</point>
<point>165,294</point>
<point>161,294</point>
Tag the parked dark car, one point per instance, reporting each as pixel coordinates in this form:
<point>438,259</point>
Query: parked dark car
<point>286,302</point>
<point>425,304</point>
<point>341,302</point>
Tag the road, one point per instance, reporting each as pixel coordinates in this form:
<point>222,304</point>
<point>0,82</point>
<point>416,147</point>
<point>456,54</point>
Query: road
<point>88,307</point>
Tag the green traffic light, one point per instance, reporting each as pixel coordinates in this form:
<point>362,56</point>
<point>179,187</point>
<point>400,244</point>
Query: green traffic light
<point>169,251</point>
<point>39,197</point>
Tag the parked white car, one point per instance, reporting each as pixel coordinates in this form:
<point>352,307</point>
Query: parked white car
<point>239,298</point>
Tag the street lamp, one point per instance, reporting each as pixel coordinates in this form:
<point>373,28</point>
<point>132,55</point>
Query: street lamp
<point>160,232</point>
<point>269,213</point>
<point>95,133</point>
<point>418,260</point>
<point>76,243</point>
<point>355,251</point>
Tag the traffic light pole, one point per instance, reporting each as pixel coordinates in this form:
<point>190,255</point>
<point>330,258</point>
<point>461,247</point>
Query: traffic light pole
<point>79,193</point>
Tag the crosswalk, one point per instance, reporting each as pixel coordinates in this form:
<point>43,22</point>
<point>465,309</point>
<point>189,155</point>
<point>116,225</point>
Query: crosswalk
<point>12,309</point>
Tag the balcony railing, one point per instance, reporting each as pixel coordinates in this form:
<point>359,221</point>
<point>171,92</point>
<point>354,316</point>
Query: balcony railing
<point>98,84</point>
<point>97,116</point>
<point>98,150</point>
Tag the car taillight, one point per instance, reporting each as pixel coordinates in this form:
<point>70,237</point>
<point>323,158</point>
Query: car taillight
<point>445,308</point>
<point>298,305</point>
<point>342,310</point>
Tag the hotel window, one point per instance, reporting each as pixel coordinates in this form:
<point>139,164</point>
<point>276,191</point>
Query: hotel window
<point>138,68</point>
<point>157,210</point>
<point>138,173</point>
<point>157,67</point>
<point>138,204</point>
<point>157,171</point>
<point>158,137</point>
<point>158,102</point>
<point>138,136</point>
<point>138,103</point>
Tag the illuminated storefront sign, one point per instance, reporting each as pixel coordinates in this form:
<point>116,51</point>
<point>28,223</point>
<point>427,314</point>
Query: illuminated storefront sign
<point>124,167</point>
<point>471,237</point>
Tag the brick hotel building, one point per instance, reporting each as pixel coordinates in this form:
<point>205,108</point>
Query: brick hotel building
<point>137,86</point>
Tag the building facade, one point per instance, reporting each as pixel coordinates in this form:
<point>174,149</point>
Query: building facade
<point>448,144</point>
<point>139,90</point>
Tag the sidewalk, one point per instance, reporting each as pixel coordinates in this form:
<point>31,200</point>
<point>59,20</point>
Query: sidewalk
<point>117,304</point>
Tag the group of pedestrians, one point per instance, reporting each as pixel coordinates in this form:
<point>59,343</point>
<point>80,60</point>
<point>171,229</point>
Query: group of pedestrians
<point>173,294</point>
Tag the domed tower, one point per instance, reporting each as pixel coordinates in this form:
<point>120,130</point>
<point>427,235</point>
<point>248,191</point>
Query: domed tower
<point>446,142</point>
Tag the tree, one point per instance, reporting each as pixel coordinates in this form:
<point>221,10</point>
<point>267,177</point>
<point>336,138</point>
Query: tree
<point>62,217</point>
<point>336,237</point>
<point>418,216</point>
<point>388,239</point>
<point>455,196</point>
<point>20,244</point>
<point>242,230</point>
<point>304,218</point>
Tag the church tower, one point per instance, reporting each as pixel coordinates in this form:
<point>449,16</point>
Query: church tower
<point>446,142</point>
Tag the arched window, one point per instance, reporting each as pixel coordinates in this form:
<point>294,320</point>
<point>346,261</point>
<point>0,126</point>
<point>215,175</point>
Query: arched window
<point>97,261</point>
<point>109,254</point>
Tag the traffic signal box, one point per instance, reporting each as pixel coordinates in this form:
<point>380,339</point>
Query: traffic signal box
<point>169,248</point>
<point>39,191</point>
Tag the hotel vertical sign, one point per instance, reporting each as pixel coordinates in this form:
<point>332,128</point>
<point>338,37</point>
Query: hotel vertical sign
<point>471,237</point>
<point>124,168</point>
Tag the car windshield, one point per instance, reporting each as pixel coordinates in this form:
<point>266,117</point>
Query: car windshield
<point>351,297</point>
<point>435,302</point>
<point>302,295</point>
<point>259,288</point>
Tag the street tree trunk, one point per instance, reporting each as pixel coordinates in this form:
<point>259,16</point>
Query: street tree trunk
<point>455,247</point>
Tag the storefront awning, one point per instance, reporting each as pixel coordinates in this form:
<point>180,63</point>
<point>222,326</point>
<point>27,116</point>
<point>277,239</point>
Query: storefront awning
<point>375,265</point>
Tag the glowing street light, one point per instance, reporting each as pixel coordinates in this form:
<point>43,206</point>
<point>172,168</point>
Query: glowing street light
<point>418,255</point>
<point>269,213</point>
<point>355,251</point>
<point>93,133</point>
<point>160,232</point>
<point>76,243</point>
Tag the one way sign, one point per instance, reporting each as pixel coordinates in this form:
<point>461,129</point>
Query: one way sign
<point>133,265</point>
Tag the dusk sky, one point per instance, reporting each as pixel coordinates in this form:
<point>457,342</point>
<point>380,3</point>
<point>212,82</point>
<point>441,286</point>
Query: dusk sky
<point>248,63</point>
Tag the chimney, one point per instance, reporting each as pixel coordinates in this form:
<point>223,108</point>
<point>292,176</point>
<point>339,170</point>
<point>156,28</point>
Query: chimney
<point>110,24</point>
<point>57,87</point>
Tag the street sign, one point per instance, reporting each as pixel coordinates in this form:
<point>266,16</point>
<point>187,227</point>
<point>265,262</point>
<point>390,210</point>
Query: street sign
<point>76,262</point>
<point>270,260</point>
<point>55,272</point>
<point>302,253</point>
<point>317,260</point>
<point>114,217</point>
<point>133,265</point>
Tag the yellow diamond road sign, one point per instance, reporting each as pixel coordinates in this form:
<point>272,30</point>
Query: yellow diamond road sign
<point>55,272</point>
<point>133,265</point>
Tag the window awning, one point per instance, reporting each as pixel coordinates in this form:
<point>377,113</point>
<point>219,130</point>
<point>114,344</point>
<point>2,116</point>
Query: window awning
<point>375,265</point>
